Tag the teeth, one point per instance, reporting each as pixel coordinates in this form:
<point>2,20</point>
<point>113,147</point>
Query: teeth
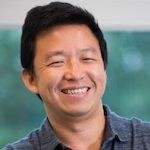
<point>75,91</point>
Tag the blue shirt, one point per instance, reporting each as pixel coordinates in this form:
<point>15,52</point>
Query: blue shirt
<point>121,134</point>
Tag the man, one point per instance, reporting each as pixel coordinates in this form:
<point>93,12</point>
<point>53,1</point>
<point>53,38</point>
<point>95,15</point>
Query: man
<point>64,58</point>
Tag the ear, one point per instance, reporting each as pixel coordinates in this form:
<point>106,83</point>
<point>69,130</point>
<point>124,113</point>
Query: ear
<point>29,81</point>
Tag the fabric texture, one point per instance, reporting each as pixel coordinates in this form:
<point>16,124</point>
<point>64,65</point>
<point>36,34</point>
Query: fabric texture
<point>121,134</point>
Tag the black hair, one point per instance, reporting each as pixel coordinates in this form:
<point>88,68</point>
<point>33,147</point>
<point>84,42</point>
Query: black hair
<point>42,18</point>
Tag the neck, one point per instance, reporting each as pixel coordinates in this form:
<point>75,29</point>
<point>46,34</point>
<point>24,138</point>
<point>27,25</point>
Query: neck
<point>81,133</point>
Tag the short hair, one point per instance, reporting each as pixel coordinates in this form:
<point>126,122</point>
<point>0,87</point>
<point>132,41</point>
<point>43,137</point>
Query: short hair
<point>42,18</point>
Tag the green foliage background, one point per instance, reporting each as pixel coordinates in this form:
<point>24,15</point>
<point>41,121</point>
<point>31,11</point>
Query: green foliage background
<point>127,91</point>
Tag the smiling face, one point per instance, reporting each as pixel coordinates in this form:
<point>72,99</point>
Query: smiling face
<point>69,71</point>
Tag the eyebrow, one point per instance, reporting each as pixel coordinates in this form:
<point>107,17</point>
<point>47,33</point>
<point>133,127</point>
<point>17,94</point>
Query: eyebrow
<point>89,49</point>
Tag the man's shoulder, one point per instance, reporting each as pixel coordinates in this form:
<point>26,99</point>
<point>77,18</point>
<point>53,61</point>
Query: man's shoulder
<point>128,128</point>
<point>24,143</point>
<point>41,138</point>
<point>31,141</point>
<point>136,125</point>
<point>126,133</point>
<point>135,130</point>
<point>137,133</point>
<point>140,128</point>
<point>21,144</point>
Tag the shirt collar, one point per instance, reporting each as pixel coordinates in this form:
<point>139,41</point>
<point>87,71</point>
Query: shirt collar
<point>116,126</point>
<point>47,137</point>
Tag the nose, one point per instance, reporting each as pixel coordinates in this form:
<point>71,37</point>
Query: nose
<point>74,71</point>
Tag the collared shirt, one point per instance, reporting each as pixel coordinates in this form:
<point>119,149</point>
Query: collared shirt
<point>121,134</point>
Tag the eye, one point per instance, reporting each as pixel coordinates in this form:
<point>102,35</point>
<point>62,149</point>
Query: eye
<point>88,59</point>
<point>56,63</point>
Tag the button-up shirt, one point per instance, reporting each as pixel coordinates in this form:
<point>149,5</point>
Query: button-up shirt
<point>121,134</point>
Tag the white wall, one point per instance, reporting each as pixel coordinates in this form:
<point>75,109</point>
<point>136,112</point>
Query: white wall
<point>111,14</point>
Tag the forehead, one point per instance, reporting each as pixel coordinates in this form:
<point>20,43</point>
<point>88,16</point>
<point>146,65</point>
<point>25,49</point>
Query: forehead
<point>67,37</point>
<point>64,28</point>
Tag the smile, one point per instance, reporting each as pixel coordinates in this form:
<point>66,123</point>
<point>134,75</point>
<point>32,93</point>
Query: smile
<point>75,91</point>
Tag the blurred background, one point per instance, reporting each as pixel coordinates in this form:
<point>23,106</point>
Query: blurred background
<point>126,26</point>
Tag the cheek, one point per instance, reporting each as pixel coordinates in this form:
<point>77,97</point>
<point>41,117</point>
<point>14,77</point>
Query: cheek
<point>99,76</point>
<point>47,80</point>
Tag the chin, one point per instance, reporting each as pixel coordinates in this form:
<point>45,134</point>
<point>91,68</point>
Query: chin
<point>77,112</point>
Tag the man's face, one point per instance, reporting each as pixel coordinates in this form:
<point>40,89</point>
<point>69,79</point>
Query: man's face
<point>69,71</point>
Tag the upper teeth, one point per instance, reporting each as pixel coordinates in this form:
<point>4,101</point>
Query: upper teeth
<point>75,91</point>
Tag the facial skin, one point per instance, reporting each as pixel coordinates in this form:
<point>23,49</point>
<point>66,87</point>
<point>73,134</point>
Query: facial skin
<point>69,73</point>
